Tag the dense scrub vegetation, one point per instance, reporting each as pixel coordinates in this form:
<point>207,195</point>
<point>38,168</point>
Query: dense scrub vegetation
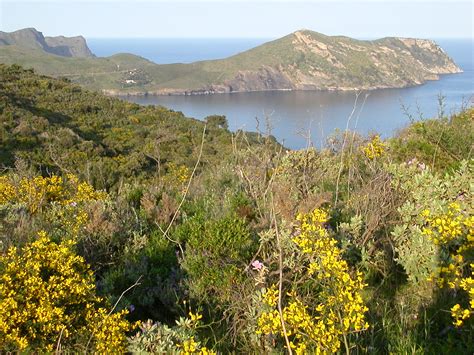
<point>57,126</point>
<point>128,228</point>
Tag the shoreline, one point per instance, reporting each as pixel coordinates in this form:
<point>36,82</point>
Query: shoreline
<point>210,91</point>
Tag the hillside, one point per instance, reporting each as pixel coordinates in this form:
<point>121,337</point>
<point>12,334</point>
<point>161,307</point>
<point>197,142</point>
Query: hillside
<point>116,232</point>
<point>303,60</point>
<point>55,125</point>
<point>30,38</point>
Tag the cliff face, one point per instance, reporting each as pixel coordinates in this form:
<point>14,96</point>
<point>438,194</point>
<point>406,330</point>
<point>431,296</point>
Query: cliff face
<point>264,79</point>
<point>311,61</point>
<point>69,46</point>
<point>30,38</point>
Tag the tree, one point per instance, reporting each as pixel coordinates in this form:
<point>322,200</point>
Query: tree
<point>217,121</point>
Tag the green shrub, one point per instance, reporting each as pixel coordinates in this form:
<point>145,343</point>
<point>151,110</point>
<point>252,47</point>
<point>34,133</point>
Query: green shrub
<point>215,253</point>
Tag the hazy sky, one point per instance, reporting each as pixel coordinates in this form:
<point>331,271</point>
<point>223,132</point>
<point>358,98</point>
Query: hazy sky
<point>240,18</point>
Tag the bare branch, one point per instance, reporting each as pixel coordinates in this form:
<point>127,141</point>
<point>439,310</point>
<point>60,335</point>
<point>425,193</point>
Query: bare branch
<point>165,234</point>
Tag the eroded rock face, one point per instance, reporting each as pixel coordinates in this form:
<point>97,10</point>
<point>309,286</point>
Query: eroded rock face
<point>264,79</point>
<point>431,57</point>
<point>69,46</point>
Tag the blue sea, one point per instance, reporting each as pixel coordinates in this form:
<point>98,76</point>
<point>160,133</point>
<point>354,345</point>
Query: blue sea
<point>295,116</point>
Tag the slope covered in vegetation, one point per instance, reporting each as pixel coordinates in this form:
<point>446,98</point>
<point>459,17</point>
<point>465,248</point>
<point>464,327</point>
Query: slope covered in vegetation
<point>55,126</point>
<point>303,60</point>
<point>364,246</point>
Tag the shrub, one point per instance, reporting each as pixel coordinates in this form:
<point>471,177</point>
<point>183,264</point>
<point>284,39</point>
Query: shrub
<point>215,252</point>
<point>424,190</point>
<point>56,204</point>
<point>48,300</point>
<point>453,231</point>
<point>441,144</point>
<point>157,338</point>
<point>324,303</point>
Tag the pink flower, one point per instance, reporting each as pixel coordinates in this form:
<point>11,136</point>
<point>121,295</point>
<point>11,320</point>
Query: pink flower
<point>257,265</point>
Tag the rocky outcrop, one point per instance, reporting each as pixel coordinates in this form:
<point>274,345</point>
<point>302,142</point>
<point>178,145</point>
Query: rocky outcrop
<point>69,46</point>
<point>430,56</point>
<point>30,38</point>
<point>264,79</point>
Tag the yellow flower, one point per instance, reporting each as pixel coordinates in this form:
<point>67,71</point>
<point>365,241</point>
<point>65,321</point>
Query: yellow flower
<point>374,149</point>
<point>452,231</point>
<point>195,317</point>
<point>46,285</point>
<point>63,198</point>
<point>317,327</point>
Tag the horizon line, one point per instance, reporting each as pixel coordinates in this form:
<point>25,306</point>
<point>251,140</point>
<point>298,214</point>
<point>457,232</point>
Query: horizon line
<point>271,38</point>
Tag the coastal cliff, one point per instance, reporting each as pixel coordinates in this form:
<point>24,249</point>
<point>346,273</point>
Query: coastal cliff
<point>303,60</point>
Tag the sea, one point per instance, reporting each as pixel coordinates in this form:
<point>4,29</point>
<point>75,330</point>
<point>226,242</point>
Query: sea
<point>301,118</point>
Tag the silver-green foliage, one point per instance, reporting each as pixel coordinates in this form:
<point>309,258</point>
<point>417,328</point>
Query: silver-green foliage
<point>158,338</point>
<point>425,189</point>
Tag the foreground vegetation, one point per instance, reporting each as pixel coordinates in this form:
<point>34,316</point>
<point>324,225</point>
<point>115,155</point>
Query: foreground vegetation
<point>128,228</point>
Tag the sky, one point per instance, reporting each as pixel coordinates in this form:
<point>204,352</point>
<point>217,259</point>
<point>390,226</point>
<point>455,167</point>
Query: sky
<point>239,18</point>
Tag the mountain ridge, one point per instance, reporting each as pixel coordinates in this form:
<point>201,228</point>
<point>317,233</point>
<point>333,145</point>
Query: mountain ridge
<point>302,60</point>
<point>60,45</point>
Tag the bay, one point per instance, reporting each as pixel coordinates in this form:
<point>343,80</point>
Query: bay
<point>298,115</point>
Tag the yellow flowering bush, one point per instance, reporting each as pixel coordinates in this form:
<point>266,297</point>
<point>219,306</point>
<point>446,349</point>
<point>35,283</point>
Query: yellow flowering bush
<point>375,148</point>
<point>38,191</point>
<point>191,347</point>
<point>7,190</point>
<point>177,176</point>
<point>47,297</point>
<point>453,232</point>
<point>108,330</point>
<point>59,202</point>
<point>317,323</point>
<point>425,193</point>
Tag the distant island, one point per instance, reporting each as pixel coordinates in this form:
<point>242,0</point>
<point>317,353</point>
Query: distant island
<point>303,60</point>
